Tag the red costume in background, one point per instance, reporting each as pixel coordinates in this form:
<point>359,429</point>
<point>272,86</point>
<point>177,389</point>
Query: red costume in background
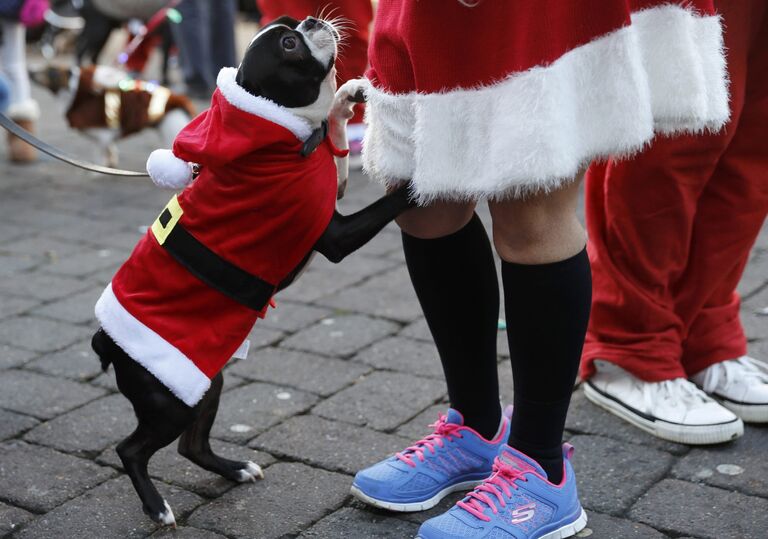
<point>257,203</point>
<point>671,230</point>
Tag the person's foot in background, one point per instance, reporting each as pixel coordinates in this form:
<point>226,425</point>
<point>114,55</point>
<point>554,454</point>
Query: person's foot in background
<point>741,385</point>
<point>674,410</point>
<point>26,115</point>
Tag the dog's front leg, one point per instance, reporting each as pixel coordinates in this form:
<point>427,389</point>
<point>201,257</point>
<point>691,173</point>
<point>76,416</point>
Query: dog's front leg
<point>345,234</point>
<point>106,150</point>
<point>112,155</point>
<point>343,109</point>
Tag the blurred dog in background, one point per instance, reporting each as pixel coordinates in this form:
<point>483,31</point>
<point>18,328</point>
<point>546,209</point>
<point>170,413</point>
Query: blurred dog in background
<point>105,104</point>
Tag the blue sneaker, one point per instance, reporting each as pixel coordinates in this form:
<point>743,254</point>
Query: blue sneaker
<point>452,458</point>
<point>516,502</point>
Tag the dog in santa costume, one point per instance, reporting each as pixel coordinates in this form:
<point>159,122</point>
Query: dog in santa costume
<point>262,201</point>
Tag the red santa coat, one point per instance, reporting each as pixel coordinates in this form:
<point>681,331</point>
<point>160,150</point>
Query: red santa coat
<point>256,203</point>
<point>506,98</point>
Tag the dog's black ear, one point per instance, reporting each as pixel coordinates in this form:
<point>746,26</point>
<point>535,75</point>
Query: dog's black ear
<point>290,22</point>
<point>250,87</point>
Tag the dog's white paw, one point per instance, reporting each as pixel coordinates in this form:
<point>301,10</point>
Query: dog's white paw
<point>347,97</point>
<point>250,473</point>
<point>354,88</point>
<point>166,518</point>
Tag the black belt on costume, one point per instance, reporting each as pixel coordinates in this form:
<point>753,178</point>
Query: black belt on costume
<point>206,265</point>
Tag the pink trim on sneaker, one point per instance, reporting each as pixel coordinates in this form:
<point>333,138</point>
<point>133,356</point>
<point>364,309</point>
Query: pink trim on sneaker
<point>503,480</point>
<point>568,450</point>
<point>499,434</point>
<point>444,430</point>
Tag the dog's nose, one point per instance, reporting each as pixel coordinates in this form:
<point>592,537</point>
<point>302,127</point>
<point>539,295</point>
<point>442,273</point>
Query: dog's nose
<point>310,23</point>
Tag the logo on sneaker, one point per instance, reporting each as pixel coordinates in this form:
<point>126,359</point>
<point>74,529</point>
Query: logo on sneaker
<point>523,513</point>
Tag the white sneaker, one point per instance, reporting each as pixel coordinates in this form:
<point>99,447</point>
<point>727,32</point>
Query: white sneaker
<point>741,385</point>
<point>674,410</point>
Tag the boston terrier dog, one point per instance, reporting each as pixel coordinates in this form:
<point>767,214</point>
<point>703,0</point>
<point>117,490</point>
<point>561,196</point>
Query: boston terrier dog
<point>261,204</point>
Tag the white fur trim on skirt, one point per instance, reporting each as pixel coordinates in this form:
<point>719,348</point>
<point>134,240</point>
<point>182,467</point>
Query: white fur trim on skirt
<point>169,365</point>
<point>533,131</point>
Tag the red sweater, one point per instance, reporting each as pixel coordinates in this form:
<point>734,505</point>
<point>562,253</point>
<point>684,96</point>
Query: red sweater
<point>256,203</point>
<point>511,98</point>
<point>416,47</point>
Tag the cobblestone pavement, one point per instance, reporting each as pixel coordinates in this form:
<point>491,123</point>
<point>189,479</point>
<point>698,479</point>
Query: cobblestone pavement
<point>341,374</point>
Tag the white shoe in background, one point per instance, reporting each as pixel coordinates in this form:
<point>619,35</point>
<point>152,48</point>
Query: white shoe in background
<point>741,385</point>
<point>674,410</point>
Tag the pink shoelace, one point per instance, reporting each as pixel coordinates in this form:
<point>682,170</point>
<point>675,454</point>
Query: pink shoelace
<point>442,431</point>
<point>499,484</point>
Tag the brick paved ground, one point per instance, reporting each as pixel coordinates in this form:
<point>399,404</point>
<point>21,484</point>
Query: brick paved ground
<point>341,374</point>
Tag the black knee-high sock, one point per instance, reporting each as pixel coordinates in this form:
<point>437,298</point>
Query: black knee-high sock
<point>455,281</point>
<point>547,310</point>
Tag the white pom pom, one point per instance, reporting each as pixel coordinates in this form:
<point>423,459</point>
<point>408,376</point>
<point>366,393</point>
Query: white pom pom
<point>167,170</point>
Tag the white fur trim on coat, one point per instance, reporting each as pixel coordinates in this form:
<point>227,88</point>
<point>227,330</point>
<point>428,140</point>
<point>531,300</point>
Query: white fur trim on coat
<point>169,365</point>
<point>534,130</point>
<point>260,106</point>
<point>167,170</point>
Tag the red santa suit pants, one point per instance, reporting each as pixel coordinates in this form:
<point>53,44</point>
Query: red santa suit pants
<point>353,57</point>
<point>671,230</point>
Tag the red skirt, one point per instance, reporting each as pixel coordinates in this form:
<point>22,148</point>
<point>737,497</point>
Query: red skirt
<point>508,98</point>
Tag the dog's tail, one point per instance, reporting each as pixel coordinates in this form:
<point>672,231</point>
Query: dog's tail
<point>100,344</point>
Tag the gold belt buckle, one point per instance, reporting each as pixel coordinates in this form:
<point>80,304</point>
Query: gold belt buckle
<point>167,219</point>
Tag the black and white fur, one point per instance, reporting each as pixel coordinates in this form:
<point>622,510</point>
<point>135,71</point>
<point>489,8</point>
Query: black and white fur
<point>292,65</point>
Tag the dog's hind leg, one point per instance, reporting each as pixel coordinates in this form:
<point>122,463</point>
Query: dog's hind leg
<point>112,155</point>
<point>195,445</point>
<point>135,452</point>
<point>162,418</point>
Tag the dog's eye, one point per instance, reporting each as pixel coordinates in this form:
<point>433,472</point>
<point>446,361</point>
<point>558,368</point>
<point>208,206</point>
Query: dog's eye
<point>289,43</point>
